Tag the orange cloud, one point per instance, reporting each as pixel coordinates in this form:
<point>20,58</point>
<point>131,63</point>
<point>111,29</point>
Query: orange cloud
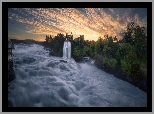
<point>66,20</point>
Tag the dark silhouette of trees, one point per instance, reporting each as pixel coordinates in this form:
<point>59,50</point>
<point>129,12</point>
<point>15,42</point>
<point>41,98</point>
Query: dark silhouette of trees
<point>47,39</point>
<point>130,51</point>
<point>56,44</point>
<point>135,35</point>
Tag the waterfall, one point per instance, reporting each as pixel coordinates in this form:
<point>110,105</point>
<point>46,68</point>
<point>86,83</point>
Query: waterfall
<point>44,81</point>
<point>67,49</point>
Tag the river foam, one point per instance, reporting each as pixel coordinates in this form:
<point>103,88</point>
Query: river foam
<point>46,81</point>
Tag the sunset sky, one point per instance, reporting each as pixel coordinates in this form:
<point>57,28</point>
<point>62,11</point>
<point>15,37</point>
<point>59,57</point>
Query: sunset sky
<point>36,23</point>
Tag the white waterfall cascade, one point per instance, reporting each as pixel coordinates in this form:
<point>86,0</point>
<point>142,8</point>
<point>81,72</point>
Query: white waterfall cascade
<point>44,81</point>
<point>67,49</point>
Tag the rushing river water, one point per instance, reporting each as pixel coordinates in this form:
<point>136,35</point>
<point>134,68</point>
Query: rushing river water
<point>45,81</point>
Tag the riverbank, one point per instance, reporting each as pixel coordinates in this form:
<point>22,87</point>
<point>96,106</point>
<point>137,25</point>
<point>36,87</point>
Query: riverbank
<point>11,74</point>
<point>141,84</point>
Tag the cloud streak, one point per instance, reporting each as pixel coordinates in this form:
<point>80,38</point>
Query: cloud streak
<point>90,22</point>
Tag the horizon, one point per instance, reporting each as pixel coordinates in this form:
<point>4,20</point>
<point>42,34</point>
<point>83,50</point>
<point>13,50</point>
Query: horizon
<point>36,23</point>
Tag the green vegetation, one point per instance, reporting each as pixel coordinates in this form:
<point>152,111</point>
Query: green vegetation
<point>128,55</point>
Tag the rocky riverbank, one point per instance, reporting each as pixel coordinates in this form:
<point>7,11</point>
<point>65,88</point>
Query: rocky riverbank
<point>11,74</point>
<point>142,83</point>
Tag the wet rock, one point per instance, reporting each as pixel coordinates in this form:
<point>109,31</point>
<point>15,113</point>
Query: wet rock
<point>11,74</point>
<point>63,61</point>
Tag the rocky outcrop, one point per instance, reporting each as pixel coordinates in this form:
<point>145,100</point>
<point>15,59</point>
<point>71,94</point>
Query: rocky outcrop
<point>11,74</point>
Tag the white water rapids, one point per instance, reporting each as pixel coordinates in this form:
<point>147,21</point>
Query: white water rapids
<point>43,81</point>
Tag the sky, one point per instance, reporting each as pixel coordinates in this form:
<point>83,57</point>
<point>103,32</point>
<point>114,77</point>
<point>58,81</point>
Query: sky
<point>36,23</point>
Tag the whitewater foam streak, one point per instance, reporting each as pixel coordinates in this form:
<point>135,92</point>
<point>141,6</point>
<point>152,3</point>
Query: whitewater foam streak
<point>45,81</point>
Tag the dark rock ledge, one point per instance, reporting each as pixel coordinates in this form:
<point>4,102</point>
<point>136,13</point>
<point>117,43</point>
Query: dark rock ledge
<point>11,74</point>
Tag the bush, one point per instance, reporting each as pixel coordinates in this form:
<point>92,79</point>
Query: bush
<point>107,51</point>
<point>77,54</point>
<point>133,66</point>
<point>105,61</point>
<point>112,63</point>
<point>118,59</point>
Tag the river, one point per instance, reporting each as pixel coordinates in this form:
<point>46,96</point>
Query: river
<point>45,81</point>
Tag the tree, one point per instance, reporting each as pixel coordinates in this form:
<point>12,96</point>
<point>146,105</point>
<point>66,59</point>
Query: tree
<point>118,58</point>
<point>99,45</point>
<point>115,39</point>
<point>50,39</point>
<point>47,39</point>
<point>133,66</point>
<point>57,44</point>
<point>92,49</point>
<point>107,51</point>
<point>110,41</point>
<point>81,41</point>
<point>124,49</point>
<point>128,33</point>
<point>140,42</point>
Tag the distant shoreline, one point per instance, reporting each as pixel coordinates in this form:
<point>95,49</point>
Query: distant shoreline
<point>26,41</point>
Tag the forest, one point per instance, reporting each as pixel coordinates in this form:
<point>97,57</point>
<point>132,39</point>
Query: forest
<point>127,55</point>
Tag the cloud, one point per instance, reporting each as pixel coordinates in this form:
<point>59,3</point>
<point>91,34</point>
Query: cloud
<point>112,10</point>
<point>94,22</point>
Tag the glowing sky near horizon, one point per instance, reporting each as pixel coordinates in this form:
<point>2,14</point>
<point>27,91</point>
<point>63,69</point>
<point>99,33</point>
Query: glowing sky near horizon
<point>36,23</point>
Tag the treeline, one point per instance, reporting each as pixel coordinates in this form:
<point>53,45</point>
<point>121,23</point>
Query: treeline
<point>129,55</point>
<point>26,41</point>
